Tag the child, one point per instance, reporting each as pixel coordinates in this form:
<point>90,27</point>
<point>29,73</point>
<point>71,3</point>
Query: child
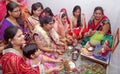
<point>34,56</point>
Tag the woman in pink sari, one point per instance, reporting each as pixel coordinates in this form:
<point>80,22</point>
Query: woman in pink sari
<point>62,25</point>
<point>63,10</point>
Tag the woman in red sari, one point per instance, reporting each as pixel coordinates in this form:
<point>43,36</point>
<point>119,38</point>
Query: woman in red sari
<point>77,23</point>
<point>12,60</point>
<point>99,22</point>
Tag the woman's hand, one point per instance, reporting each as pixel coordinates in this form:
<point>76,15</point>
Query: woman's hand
<point>20,4</point>
<point>80,35</point>
<point>57,68</point>
<point>59,60</point>
<point>74,36</point>
<point>59,51</point>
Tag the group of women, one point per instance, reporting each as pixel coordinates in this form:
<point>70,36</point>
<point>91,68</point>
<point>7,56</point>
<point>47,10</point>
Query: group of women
<point>52,33</point>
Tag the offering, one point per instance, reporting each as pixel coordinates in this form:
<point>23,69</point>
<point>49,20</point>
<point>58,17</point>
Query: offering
<point>69,66</point>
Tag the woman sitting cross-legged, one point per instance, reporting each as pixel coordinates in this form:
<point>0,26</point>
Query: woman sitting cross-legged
<point>44,41</point>
<point>99,28</point>
<point>98,22</point>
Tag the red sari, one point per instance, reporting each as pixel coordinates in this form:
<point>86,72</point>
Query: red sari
<point>104,19</point>
<point>13,63</point>
<point>2,9</point>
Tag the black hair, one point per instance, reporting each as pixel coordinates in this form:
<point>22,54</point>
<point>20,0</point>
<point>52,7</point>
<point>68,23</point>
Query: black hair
<point>10,7</point>
<point>99,8</point>
<point>29,50</point>
<point>48,10</point>
<point>9,33</point>
<point>46,20</point>
<point>35,6</point>
<point>63,15</point>
<point>79,17</point>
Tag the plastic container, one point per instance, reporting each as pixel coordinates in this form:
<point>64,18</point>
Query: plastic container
<point>96,55</point>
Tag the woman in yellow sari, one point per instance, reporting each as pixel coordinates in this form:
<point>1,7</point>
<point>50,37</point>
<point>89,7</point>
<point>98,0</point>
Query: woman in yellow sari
<point>43,39</point>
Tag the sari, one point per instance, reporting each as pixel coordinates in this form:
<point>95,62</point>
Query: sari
<point>54,36</point>
<point>41,35</point>
<point>40,64</point>
<point>65,11</point>
<point>99,25</point>
<point>2,9</point>
<point>61,29</point>
<point>76,30</point>
<point>32,23</point>
<point>13,63</point>
<point>24,10</point>
<point>4,25</point>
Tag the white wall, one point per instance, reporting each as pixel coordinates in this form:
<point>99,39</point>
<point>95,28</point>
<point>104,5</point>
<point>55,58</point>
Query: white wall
<point>111,8</point>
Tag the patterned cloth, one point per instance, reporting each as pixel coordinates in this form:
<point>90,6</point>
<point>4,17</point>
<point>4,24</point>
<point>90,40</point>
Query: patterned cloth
<point>40,64</point>
<point>102,22</point>
<point>41,35</point>
<point>13,63</point>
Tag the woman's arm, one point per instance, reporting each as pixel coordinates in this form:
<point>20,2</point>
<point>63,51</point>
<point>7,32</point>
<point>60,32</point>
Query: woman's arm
<point>71,23</point>
<point>47,49</point>
<point>55,69</point>
<point>29,25</point>
<point>47,59</point>
<point>16,1</point>
<point>106,28</point>
<point>83,22</point>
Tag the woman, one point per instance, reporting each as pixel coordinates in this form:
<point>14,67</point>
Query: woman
<point>44,41</point>
<point>13,61</point>
<point>63,10</point>
<point>34,19</point>
<point>12,18</point>
<point>77,23</point>
<point>99,22</point>
<point>23,6</point>
<point>42,35</point>
<point>53,34</point>
<point>47,12</point>
<point>62,25</point>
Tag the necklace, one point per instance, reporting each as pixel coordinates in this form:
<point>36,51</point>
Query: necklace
<point>35,18</point>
